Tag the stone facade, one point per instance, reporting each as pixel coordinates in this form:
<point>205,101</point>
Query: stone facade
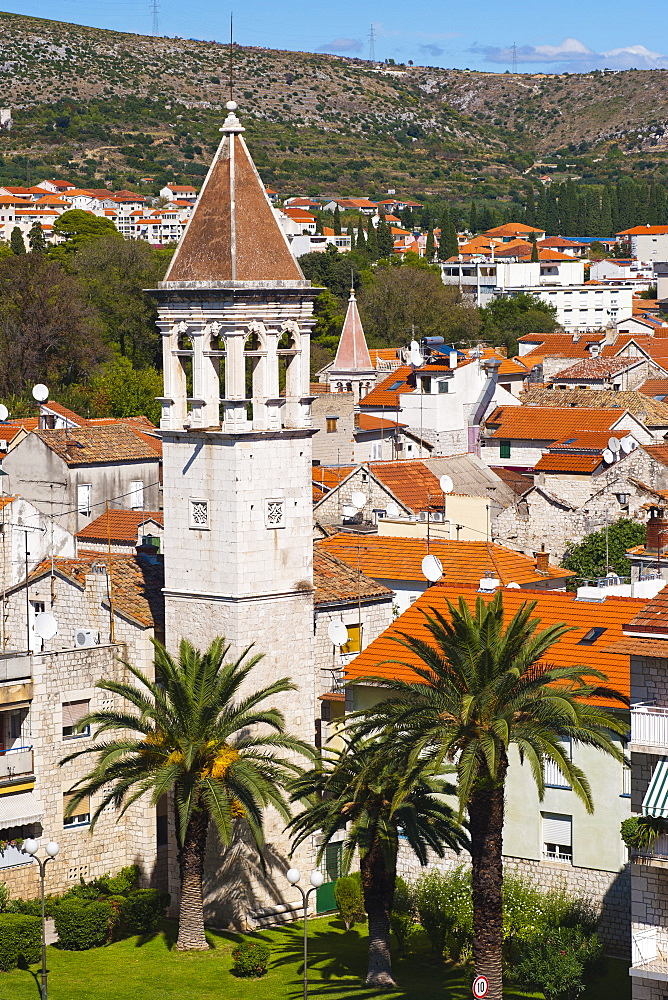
<point>561,509</point>
<point>329,510</point>
<point>334,446</point>
<point>58,678</point>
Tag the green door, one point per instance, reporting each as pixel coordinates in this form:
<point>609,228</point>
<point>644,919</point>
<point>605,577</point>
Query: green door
<point>324,897</point>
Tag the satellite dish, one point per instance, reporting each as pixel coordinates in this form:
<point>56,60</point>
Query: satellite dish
<point>40,392</point>
<point>614,444</point>
<point>358,499</point>
<point>392,510</point>
<point>337,632</point>
<point>513,586</point>
<point>608,457</point>
<point>348,510</point>
<point>446,483</point>
<point>416,358</point>
<point>432,568</point>
<point>45,625</point>
<point>4,412</point>
<point>628,444</point>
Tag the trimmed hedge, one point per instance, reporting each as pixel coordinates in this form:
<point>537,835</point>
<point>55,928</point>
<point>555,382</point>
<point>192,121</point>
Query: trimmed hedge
<point>20,940</point>
<point>139,912</point>
<point>82,925</point>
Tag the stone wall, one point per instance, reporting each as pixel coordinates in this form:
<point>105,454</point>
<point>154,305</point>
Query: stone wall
<point>329,662</point>
<point>334,447</point>
<point>329,510</point>
<point>63,677</point>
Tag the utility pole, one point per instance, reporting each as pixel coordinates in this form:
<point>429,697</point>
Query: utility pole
<point>154,16</point>
<point>372,44</point>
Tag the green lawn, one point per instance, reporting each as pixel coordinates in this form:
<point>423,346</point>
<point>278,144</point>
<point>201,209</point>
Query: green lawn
<point>138,969</point>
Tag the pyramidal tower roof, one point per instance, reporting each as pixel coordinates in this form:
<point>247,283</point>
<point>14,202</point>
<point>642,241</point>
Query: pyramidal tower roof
<point>233,234</point>
<point>352,353</point>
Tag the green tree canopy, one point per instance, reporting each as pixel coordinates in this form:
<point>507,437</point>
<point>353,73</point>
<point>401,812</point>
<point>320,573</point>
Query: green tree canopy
<point>36,238</point>
<point>119,390</point>
<point>507,318</point>
<point>333,269</point>
<point>588,557</point>
<point>78,227</point>
<point>16,242</point>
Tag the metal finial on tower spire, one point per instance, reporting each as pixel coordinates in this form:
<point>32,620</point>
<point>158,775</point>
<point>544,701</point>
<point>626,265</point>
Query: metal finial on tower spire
<point>231,45</point>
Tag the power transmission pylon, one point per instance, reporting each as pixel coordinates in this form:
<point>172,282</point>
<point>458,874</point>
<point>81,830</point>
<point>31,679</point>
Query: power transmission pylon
<point>372,44</point>
<point>514,51</point>
<point>154,16</point>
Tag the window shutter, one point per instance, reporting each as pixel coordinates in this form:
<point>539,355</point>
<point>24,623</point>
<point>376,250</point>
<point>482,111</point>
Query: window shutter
<point>557,829</point>
<point>83,808</point>
<point>136,494</point>
<point>74,711</point>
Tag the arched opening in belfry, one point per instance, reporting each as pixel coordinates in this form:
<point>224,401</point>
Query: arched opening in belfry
<point>185,353</point>
<point>215,352</point>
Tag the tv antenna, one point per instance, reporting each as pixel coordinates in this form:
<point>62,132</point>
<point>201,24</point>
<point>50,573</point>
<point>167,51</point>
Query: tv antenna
<point>372,44</point>
<point>514,52</point>
<point>154,17</point>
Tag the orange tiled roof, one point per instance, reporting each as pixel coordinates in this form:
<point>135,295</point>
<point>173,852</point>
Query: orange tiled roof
<point>335,580</point>
<point>464,563</point>
<point>367,422</point>
<point>383,354</point>
<point>96,445</point>
<point>596,368</point>
<point>656,387</point>
<point>386,393</point>
<point>511,229</point>
<point>411,482</point>
<point>551,608</point>
<point>650,411</point>
<point>644,231</point>
<point>329,475</point>
<point>136,584</point>
<point>560,462</point>
<point>119,526</point>
<point>548,423</point>
<point>653,616</point>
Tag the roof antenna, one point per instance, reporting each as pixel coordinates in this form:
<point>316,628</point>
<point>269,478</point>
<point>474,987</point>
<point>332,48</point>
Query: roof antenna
<point>231,76</point>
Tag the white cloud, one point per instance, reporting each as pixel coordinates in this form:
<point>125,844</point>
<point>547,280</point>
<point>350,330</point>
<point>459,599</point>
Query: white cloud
<point>574,56</point>
<point>342,45</point>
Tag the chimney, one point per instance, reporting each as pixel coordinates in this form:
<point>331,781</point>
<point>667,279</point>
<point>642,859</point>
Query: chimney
<point>542,561</point>
<point>453,359</point>
<point>657,532</point>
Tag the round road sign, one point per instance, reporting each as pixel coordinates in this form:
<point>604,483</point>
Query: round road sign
<point>480,986</point>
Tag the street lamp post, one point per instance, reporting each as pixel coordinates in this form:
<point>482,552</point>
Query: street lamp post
<point>30,847</point>
<point>316,879</point>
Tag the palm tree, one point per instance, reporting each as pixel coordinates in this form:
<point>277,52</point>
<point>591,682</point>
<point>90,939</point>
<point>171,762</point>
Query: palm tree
<point>193,734</point>
<point>374,796</point>
<point>480,687</point>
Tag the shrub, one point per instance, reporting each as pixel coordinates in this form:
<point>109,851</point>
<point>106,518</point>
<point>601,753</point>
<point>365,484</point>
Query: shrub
<point>4,897</point>
<point>402,917</point>
<point>141,911</point>
<point>250,959</point>
<point>20,940</point>
<point>557,962</point>
<point>82,925</point>
<point>445,910</point>
<point>640,832</point>
<point>117,885</point>
<point>350,899</point>
<point>29,907</point>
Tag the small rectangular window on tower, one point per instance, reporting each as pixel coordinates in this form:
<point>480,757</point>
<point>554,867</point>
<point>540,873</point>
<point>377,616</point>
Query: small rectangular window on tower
<point>199,513</point>
<point>331,424</point>
<point>275,513</point>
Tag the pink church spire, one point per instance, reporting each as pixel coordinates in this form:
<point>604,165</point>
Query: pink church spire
<point>352,353</point>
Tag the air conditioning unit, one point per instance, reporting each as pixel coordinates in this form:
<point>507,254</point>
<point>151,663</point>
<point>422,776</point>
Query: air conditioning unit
<point>86,637</point>
<point>436,516</point>
<point>424,515</point>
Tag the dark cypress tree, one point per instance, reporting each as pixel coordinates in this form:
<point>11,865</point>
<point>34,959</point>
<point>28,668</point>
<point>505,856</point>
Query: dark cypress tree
<point>551,212</point>
<point>430,245</point>
<point>534,248</point>
<point>530,208</point>
<point>583,211</point>
<point>443,238</point>
<point>361,242</point>
<point>541,207</point>
<point>351,230</point>
<point>384,239</point>
<point>371,240</point>
<point>16,242</point>
<point>473,219</point>
<point>336,224</point>
<point>605,226</point>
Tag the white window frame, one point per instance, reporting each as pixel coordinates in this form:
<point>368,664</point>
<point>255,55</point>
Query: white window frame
<point>553,777</point>
<point>136,494</point>
<point>558,842</point>
<point>197,506</point>
<point>85,499</point>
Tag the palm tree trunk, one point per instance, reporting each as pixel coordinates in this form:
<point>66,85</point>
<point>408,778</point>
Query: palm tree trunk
<point>486,831</point>
<point>191,867</point>
<point>378,888</point>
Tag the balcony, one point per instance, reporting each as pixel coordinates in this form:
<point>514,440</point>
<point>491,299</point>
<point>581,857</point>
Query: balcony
<point>16,765</point>
<point>15,667</point>
<point>649,729</point>
<point>648,959</point>
<point>656,855</point>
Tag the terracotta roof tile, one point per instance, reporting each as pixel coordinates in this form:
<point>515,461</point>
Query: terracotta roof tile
<point>595,368</point>
<point>119,526</point>
<point>335,580</point>
<point>653,617</point>
<point>330,475</point>
<point>655,387</point>
<point>518,482</point>
<point>548,423</point>
<point>367,422</point>
<point>386,393</point>
<point>568,463</point>
<point>649,411</point>
<point>136,584</point>
<point>411,482</point>
<point>658,452</point>
<point>96,445</point>
<point>552,608</point>
<point>465,563</point>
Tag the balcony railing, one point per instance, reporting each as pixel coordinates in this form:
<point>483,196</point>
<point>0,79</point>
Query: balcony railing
<point>15,667</point>
<point>657,852</point>
<point>16,763</point>
<point>649,726</point>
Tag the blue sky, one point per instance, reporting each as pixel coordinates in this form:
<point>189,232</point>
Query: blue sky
<point>549,37</point>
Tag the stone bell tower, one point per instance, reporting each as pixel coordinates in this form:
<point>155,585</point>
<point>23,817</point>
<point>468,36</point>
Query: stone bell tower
<point>235,313</point>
